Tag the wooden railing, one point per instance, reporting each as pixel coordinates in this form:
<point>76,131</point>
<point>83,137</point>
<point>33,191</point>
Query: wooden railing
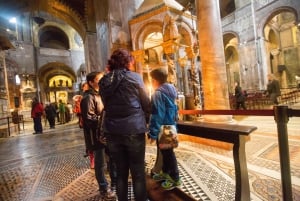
<point>18,119</point>
<point>236,134</point>
<point>259,99</point>
<point>281,115</point>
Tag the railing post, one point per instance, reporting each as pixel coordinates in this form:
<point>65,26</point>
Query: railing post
<point>8,126</point>
<point>281,118</point>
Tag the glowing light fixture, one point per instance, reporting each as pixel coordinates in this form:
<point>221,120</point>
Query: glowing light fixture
<point>13,20</point>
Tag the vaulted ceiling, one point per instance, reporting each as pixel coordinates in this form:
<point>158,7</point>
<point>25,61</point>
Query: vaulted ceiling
<point>77,13</point>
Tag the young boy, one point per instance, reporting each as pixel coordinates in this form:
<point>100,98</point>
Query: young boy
<point>164,112</point>
<point>91,107</point>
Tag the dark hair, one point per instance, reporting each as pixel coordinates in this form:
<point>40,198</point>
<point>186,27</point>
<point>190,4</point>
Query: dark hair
<point>91,76</point>
<point>120,59</point>
<point>159,74</point>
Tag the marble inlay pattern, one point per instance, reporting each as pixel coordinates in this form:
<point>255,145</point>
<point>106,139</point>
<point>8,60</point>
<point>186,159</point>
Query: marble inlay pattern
<point>52,167</point>
<point>272,154</point>
<point>16,183</point>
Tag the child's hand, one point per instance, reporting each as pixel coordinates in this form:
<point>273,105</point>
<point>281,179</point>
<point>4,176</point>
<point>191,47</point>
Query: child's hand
<point>152,141</point>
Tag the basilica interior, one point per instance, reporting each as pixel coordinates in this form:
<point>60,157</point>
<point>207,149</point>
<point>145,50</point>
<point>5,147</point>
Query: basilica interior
<point>48,46</point>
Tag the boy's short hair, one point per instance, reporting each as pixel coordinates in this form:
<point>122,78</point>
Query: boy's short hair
<point>91,76</point>
<point>159,74</point>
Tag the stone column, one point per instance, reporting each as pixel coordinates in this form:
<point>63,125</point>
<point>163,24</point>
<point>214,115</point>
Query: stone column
<point>90,50</point>
<point>214,77</point>
<point>103,33</point>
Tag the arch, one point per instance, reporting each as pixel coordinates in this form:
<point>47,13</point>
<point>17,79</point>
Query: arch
<point>70,15</point>
<point>49,70</point>
<point>53,37</point>
<point>144,30</point>
<point>267,18</point>
<point>227,36</point>
<point>151,26</point>
<point>186,33</point>
<point>231,42</point>
<point>282,58</point>
<point>56,82</point>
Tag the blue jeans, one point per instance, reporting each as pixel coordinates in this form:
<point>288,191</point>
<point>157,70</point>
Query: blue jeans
<point>100,164</point>
<point>128,152</point>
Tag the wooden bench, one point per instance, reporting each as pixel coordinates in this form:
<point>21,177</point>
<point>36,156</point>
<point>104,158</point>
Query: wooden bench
<point>231,133</point>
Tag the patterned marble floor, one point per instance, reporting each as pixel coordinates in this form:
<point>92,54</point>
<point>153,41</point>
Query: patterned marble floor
<point>51,166</point>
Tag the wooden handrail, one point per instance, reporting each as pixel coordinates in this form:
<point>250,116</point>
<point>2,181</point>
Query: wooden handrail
<point>228,112</point>
<point>281,115</point>
<point>20,118</point>
<point>235,134</point>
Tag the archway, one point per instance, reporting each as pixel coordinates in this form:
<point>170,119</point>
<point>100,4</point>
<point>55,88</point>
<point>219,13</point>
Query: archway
<point>53,37</point>
<point>233,69</point>
<point>57,82</point>
<point>282,37</point>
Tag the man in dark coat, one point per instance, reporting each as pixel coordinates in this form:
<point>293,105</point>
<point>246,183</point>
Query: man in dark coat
<point>273,89</point>
<point>50,114</point>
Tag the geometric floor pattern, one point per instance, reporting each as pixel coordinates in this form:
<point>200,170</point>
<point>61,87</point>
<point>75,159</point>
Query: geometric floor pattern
<point>52,167</point>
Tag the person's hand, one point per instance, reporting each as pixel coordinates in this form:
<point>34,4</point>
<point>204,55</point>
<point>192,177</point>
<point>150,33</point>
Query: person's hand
<point>102,139</point>
<point>152,141</point>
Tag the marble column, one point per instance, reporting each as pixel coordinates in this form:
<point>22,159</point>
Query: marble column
<point>214,77</point>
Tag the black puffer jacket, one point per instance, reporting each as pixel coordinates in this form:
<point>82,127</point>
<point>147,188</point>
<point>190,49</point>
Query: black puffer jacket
<point>125,101</point>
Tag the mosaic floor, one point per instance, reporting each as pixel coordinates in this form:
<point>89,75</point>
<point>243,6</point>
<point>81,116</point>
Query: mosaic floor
<point>52,167</point>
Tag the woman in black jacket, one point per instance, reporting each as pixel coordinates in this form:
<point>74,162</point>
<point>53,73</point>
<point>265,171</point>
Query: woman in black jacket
<point>126,105</point>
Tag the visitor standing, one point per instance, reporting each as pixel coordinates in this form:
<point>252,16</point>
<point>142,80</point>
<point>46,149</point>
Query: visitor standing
<point>273,89</point>
<point>164,112</point>
<point>91,108</point>
<point>37,110</point>
<point>50,114</point>
<point>62,112</point>
<point>126,107</point>
<point>240,97</point>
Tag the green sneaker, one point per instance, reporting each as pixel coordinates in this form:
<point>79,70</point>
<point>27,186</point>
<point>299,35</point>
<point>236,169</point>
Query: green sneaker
<point>161,176</point>
<point>170,184</point>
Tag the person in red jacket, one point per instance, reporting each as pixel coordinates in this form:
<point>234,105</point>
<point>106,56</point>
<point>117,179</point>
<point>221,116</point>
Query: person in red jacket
<point>37,110</point>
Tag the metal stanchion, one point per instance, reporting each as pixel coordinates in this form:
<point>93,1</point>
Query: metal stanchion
<point>281,117</point>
